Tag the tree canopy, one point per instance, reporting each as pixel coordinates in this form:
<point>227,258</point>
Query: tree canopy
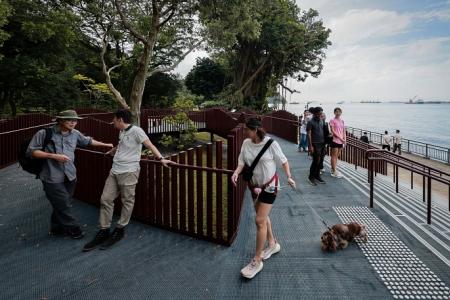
<point>129,48</point>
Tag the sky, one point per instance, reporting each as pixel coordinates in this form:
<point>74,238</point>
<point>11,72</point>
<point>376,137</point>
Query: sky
<point>381,50</point>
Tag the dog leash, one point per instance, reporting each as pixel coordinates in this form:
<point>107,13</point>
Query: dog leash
<point>314,211</point>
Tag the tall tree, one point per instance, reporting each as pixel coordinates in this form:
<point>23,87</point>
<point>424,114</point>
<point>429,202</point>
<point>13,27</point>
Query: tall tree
<point>275,39</point>
<point>161,90</point>
<point>37,66</point>
<point>207,78</point>
<point>155,34</point>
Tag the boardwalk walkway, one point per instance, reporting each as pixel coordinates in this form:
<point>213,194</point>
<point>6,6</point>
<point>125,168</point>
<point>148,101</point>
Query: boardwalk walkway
<point>155,264</point>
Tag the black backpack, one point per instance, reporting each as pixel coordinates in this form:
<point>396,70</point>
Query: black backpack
<point>29,164</point>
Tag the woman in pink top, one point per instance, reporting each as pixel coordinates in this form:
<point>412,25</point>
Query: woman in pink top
<point>339,139</point>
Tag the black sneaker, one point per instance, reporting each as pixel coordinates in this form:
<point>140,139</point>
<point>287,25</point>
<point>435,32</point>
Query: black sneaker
<point>116,236</point>
<point>75,233</point>
<point>57,231</point>
<point>320,180</point>
<point>101,236</point>
<point>312,181</point>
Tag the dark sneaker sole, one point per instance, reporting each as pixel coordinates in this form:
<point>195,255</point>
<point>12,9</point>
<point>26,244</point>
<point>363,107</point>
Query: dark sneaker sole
<point>77,237</point>
<point>312,182</point>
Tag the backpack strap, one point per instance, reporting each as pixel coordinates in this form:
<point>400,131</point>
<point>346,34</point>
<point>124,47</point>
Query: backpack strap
<point>48,137</point>
<point>260,154</point>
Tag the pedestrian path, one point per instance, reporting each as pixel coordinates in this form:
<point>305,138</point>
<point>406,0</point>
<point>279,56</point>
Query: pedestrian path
<point>151,263</point>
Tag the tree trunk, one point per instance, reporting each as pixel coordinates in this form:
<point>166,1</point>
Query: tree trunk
<point>12,105</point>
<point>138,87</point>
<point>251,76</point>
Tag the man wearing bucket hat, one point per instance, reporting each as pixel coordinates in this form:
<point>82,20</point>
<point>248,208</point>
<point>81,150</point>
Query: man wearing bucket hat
<point>58,173</point>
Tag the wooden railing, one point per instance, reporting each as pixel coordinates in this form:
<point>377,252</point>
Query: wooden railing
<point>24,121</point>
<point>194,196</point>
<point>355,152</point>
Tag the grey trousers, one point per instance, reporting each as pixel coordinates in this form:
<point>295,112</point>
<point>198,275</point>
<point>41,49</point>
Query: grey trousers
<point>60,197</point>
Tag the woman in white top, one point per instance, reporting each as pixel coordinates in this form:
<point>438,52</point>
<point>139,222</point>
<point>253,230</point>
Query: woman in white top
<point>263,186</point>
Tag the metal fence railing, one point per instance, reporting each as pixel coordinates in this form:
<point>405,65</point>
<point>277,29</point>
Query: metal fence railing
<point>426,150</point>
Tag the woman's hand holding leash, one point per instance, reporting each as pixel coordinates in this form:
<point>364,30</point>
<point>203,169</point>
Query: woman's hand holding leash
<point>291,182</point>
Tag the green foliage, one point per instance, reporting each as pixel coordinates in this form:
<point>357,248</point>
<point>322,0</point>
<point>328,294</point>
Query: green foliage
<point>206,78</point>
<point>214,103</point>
<point>264,41</point>
<point>99,94</point>
<point>5,12</point>
<point>37,65</point>
<point>161,90</point>
<point>182,124</point>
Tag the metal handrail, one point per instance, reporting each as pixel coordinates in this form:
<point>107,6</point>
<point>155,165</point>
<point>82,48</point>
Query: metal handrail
<point>415,167</point>
<point>436,152</point>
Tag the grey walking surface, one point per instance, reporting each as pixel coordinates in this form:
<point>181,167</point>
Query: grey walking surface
<point>155,264</point>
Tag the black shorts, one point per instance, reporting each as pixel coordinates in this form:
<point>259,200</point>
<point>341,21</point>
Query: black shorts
<point>335,145</point>
<point>268,198</point>
<point>265,197</point>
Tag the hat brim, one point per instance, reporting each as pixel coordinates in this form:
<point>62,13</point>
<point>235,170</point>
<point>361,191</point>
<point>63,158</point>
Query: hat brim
<point>67,118</point>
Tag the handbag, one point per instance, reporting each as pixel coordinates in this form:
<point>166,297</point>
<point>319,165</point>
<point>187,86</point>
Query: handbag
<point>247,172</point>
<point>328,134</point>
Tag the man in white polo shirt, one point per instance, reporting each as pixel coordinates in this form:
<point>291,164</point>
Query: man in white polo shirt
<point>122,179</point>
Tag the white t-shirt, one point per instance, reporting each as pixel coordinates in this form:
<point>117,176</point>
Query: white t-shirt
<point>128,152</point>
<point>397,138</point>
<point>387,139</point>
<point>303,126</point>
<point>266,167</point>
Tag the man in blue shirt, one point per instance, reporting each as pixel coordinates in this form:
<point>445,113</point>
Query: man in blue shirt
<point>59,174</point>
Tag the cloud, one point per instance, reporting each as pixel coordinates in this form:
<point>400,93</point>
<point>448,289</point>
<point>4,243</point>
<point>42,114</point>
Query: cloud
<point>385,72</point>
<point>358,25</point>
<point>377,52</point>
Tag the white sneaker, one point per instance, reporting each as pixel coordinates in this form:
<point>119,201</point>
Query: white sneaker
<point>252,269</point>
<point>321,171</point>
<point>268,252</point>
<point>336,174</point>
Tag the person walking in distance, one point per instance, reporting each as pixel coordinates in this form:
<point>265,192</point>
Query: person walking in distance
<point>337,127</point>
<point>303,145</point>
<point>386,141</point>
<point>263,183</point>
<point>59,175</point>
<point>122,180</point>
<point>397,142</point>
<point>364,138</point>
<point>316,145</point>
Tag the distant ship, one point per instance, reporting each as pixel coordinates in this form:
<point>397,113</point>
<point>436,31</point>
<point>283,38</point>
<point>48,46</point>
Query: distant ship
<point>341,102</point>
<point>294,102</point>
<point>370,101</point>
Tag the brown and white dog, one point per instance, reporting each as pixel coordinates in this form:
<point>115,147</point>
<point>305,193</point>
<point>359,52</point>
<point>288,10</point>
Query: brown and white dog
<point>341,234</point>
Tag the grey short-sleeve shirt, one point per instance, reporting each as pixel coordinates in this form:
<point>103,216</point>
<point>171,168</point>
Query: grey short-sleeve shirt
<point>52,170</point>
<point>128,152</point>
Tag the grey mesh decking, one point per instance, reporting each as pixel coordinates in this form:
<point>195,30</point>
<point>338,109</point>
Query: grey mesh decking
<point>156,264</point>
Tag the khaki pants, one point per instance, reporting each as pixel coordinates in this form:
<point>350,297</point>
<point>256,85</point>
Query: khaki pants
<point>125,185</point>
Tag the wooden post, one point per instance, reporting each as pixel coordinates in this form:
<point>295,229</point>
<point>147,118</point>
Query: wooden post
<point>429,202</point>
<point>209,191</point>
<point>199,161</point>
<point>174,194</point>
<point>182,187</point>
<point>219,217</point>
<point>190,193</point>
